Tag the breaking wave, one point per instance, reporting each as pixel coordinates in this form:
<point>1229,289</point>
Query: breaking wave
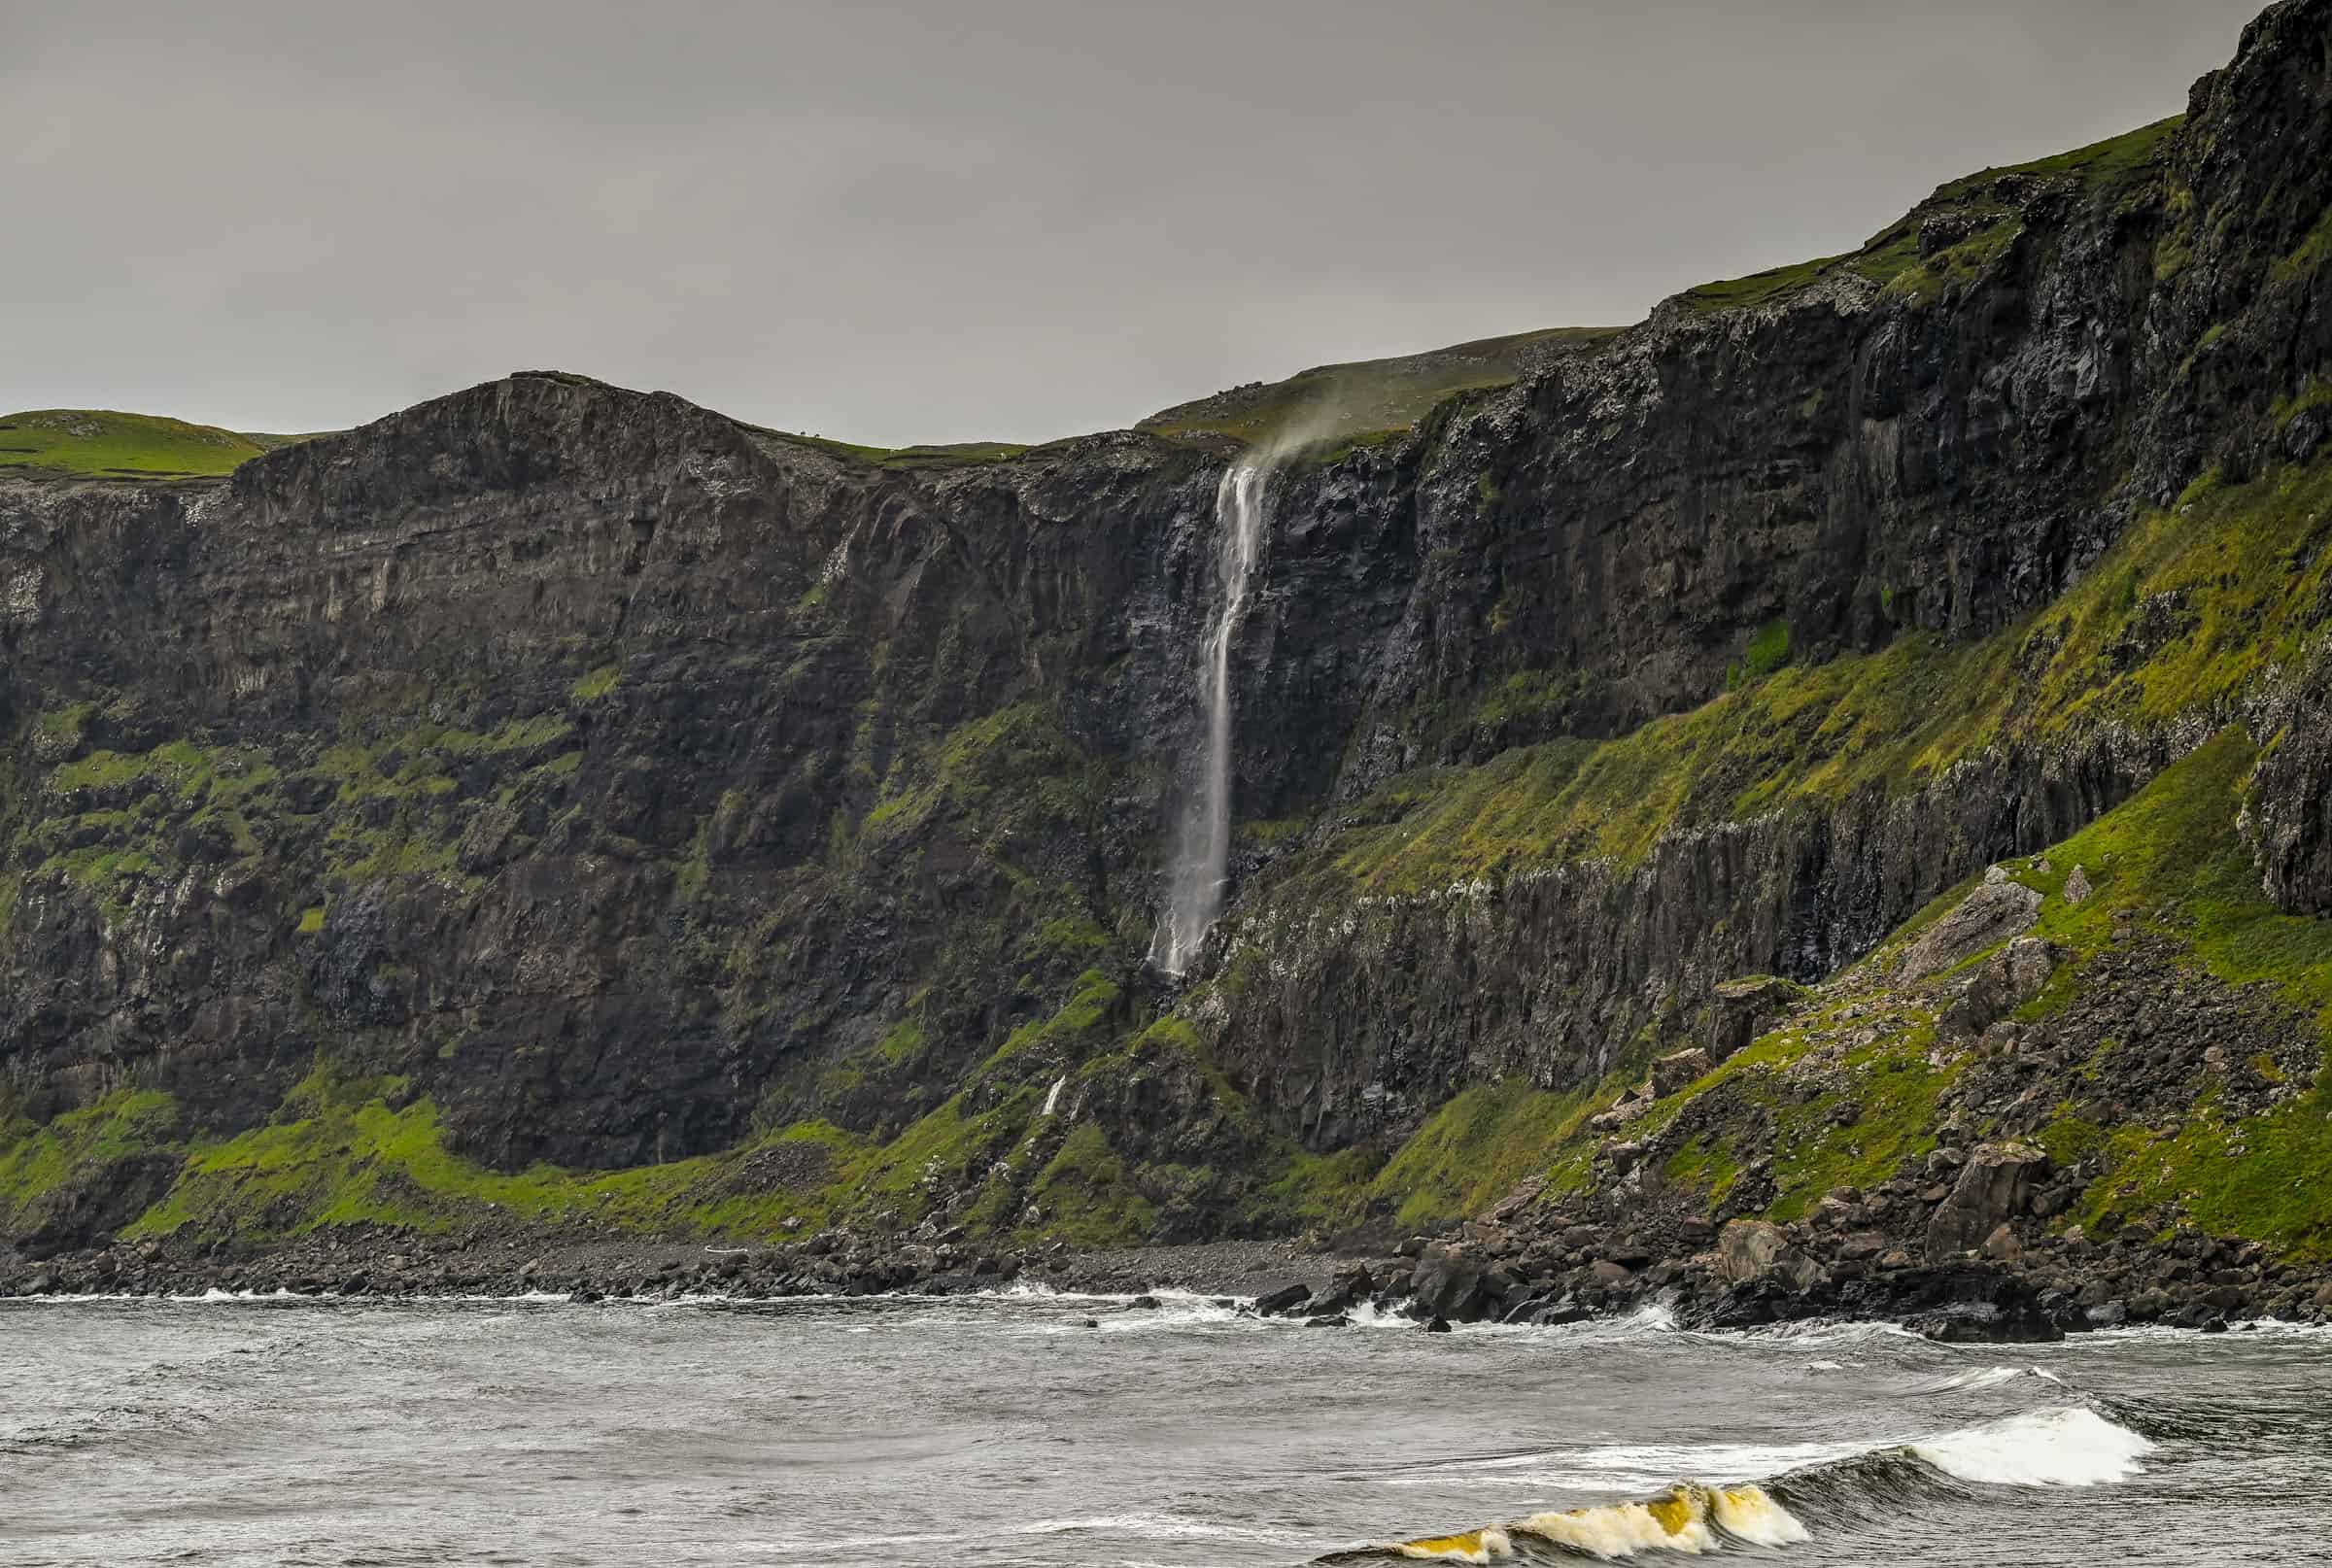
<point>2070,1447</point>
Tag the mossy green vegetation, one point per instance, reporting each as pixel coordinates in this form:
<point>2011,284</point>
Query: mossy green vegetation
<point>1479,1146</point>
<point>2105,172</point>
<point>2175,847</point>
<point>2104,169</point>
<point>2191,608</point>
<point>1758,288</point>
<point>940,455</point>
<point>595,684</point>
<point>84,443</point>
<point>1851,1088</point>
<point>40,1161</point>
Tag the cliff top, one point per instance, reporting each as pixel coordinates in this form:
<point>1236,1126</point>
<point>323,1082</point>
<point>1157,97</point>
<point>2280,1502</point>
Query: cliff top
<point>1372,397</point>
<point>1955,231</point>
<point>82,443</point>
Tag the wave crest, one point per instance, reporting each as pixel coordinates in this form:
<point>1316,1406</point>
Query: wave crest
<point>2070,1447</point>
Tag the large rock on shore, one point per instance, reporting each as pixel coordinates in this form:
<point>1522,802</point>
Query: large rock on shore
<point>1451,1282</point>
<point>1994,1186</point>
<point>1749,1250</point>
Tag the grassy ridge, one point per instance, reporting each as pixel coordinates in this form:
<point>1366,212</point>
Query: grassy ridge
<point>2104,172</point>
<point>101,443</point>
<point>1371,398</point>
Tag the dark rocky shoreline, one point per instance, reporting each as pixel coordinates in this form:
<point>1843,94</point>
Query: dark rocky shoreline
<point>1750,1274</point>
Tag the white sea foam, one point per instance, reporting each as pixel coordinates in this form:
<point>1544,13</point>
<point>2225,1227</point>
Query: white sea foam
<point>1974,1378</point>
<point>2073,1446</point>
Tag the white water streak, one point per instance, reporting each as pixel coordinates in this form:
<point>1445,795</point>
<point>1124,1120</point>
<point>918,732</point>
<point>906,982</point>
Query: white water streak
<point>1203,851</point>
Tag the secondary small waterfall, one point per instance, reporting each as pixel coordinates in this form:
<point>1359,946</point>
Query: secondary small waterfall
<point>1203,847</point>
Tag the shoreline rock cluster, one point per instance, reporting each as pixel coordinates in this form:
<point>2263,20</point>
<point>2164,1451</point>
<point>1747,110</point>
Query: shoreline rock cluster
<point>1945,1258</point>
<point>1749,1274</point>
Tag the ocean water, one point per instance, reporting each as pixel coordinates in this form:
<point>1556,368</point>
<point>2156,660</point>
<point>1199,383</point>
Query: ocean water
<point>1001,1430</point>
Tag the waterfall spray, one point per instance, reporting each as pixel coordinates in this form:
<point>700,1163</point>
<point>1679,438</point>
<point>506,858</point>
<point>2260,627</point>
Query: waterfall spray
<point>1203,849</point>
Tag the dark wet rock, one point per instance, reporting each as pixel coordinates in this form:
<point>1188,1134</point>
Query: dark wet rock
<point>1452,1282</point>
<point>1346,1289</point>
<point>1556,1313</point>
<point>1437,1325</point>
<point>1985,1323</point>
<point>1283,1301</point>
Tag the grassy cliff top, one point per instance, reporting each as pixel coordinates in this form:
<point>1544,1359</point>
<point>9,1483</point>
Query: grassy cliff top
<point>1337,405</point>
<point>1370,397</point>
<point>89,443</point>
<point>2102,171</point>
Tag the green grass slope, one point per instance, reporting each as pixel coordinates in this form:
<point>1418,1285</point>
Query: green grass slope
<point>2103,172</point>
<point>1856,1088</point>
<point>2194,606</point>
<point>101,443</point>
<point>1371,398</point>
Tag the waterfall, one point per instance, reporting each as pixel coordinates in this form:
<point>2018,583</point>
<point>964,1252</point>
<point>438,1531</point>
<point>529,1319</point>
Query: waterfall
<point>1203,847</point>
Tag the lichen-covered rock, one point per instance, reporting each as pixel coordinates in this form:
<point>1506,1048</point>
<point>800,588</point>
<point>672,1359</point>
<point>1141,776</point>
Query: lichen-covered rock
<point>1749,1250</point>
<point>1993,1186</point>
<point>1678,1070</point>
<point>1992,913</point>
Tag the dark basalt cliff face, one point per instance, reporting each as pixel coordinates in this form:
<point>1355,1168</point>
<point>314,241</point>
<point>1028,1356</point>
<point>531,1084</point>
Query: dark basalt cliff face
<point>629,784</point>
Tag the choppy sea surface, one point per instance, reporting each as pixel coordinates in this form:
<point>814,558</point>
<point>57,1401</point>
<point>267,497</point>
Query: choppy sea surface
<point>1002,1430</point>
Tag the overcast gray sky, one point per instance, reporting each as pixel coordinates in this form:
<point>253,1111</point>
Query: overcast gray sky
<point>946,219</point>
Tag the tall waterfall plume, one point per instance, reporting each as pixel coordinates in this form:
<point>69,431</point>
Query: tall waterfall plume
<point>1203,847</point>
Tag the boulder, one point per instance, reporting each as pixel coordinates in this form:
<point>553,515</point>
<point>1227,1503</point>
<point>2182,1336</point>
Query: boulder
<point>1678,1071</point>
<point>1753,1250</point>
<point>1738,1010</point>
<point>1287,1299</point>
<point>1993,1186</point>
<point>1451,1284</point>
<point>2076,886</point>
<point>2000,985</point>
<point>1618,1116</point>
<point>1348,1290</point>
<point>1992,913</point>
